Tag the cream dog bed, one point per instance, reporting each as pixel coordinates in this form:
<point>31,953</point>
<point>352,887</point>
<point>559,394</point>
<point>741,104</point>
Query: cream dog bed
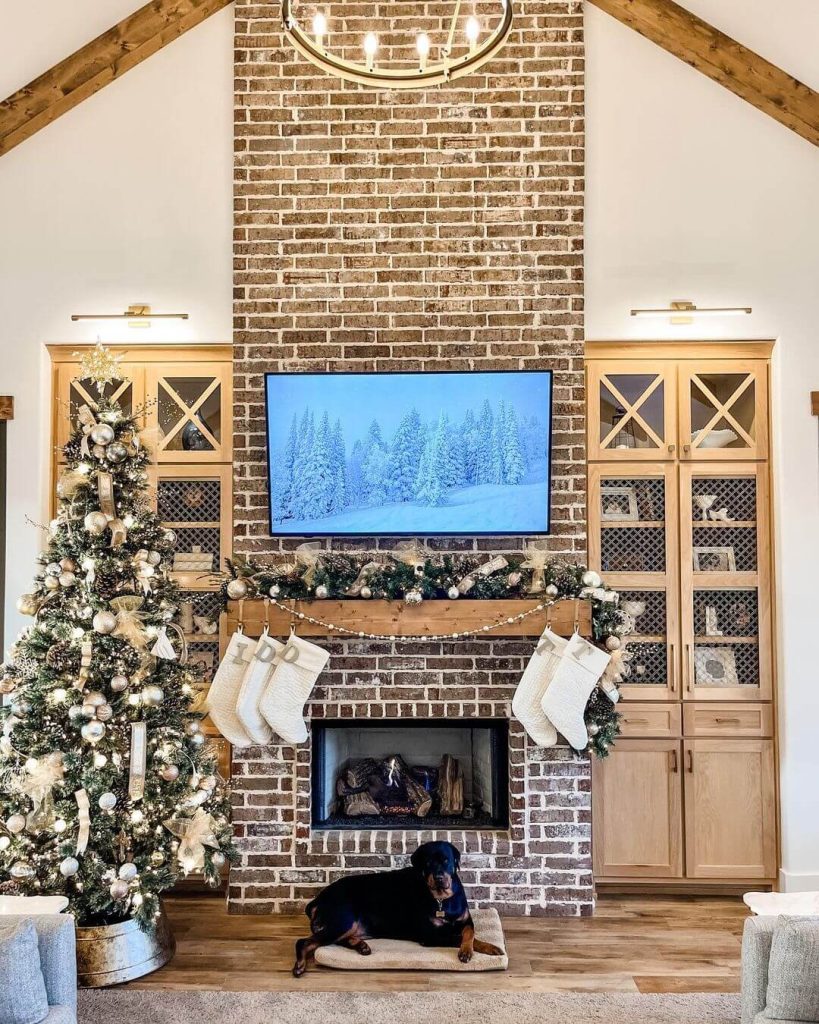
<point>400,955</point>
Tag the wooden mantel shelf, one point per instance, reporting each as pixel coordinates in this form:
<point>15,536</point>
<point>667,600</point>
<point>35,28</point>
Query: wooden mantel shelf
<point>394,618</point>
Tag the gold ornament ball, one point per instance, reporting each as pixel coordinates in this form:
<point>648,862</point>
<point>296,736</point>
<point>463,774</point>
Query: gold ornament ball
<point>7,684</point>
<point>119,889</point>
<point>453,593</point>
<point>68,565</point>
<point>170,773</point>
<point>366,593</point>
<point>157,858</point>
<point>27,604</point>
<point>105,713</point>
<point>88,710</point>
<point>92,732</point>
<point>98,451</point>
<point>66,579</point>
<point>119,683</point>
<point>15,824</point>
<point>51,583</point>
<point>95,697</point>
<point>95,523</point>
<point>237,590</point>
<point>102,433</point>
<point>68,867</point>
<point>107,802</point>
<point>613,643</point>
<point>104,622</point>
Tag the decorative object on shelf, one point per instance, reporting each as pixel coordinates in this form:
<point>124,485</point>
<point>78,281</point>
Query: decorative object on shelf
<point>91,645</point>
<point>721,516</point>
<point>394,577</point>
<point>715,666</point>
<point>713,438</point>
<point>205,626</point>
<point>467,47</point>
<point>714,559</point>
<point>186,616</point>
<point>711,621</point>
<point>740,616</point>
<point>704,502</point>
<point>619,503</point>
<point>195,560</point>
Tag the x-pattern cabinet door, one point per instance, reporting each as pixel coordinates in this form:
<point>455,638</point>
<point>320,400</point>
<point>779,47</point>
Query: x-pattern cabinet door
<point>632,410</point>
<point>190,406</point>
<point>73,392</point>
<point>723,407</point>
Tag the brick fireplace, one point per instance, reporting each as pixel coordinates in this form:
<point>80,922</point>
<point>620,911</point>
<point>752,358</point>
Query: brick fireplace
<point>412,231</point>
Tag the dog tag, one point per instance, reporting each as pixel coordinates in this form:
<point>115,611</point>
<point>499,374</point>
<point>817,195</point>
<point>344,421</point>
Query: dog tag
<point>440,913</point>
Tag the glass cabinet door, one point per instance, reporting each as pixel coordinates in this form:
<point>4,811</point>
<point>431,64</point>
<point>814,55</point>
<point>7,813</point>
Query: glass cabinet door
<point>631,411</point>
<point>723,410</point>
<point>190,405</point>
<point>634,548</point>
<point>74,392</point>
<point>725,556</point>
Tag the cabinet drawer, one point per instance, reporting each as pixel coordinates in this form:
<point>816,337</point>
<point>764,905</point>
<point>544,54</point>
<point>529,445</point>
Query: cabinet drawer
<point>649,720</point>
<point>728,719</point>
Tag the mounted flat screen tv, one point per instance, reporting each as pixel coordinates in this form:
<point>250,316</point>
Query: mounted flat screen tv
<point>409,454</point>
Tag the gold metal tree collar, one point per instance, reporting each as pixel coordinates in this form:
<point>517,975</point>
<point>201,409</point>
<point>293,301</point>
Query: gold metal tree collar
<point>463,52</point>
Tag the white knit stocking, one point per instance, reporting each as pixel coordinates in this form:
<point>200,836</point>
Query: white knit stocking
<point>224,690</point>
<point>526,704</point>
<point>259,670</point>
<point>298,667</point>
<point>564,702</point>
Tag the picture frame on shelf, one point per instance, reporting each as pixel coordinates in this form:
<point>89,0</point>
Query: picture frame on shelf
<point>719,559</point>
<point>204,661</point>
<point>618,504</point>
<point>715,666</point>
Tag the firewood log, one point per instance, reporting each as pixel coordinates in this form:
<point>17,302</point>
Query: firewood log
<point>450,786</point>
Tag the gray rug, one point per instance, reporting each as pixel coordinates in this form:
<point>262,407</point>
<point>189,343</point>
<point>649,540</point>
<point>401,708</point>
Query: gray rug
<point>169,1007</point>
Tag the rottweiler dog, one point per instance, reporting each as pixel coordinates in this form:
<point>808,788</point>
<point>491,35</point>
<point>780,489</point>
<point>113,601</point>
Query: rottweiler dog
<point>425,903</point>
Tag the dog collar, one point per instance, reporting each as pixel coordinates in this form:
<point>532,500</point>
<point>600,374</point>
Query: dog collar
<point>440,912</point>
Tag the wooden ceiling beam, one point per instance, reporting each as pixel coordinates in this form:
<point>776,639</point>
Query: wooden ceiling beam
<point>723,59</point>
<point>99,62</point>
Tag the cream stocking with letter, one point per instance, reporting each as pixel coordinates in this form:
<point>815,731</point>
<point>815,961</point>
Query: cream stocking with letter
<point>526,704</point>
<point>224,690</point>
<point>298,666</point>
<point>564,702</point>
<point>259,670</point>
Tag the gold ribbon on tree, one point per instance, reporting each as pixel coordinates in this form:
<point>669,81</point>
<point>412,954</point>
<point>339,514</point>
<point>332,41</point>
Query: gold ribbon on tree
<point>139,754</point>
<point>412,553</point>
<point>487,569</point>
<point>105,493</point>
<point>84,814</point>
<point>130,620</point>
<point>194,834</point>
<point>36,782</point>
<point>358,584</point>
<point>307,555</point>
<point>86,422</point>
<point>536,559</point>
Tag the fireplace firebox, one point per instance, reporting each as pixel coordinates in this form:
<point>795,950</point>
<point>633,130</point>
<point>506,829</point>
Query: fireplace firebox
<point>410,774</point>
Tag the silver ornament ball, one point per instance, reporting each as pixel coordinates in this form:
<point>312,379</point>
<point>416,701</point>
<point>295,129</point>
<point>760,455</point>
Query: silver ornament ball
<point>154,557</point>
<point>102,433</point>
<point>15,823</point>
<point>613,643</point>
<point>127,871</point>
<point>366,593</point>
<point>197,739</point>
<point>192,727</point>
<point>75,713</point>
<point>105,713</point>
<point>104,622</point>
<point>92,732</point>
<point>413,597</point>
<point>119,683</point>
<point>88,710</point>
<point>169,538</point>
<point>275,590</point>
<point>237,590</point>
<point>322,593</point>
<point>153,695</point>
<point>552,591</point>
<point>68,867</point>
<point>95,523</point>
<point>119,889</point>
<point>107,802</point>
<point>170,773</point>
<point>591,579</point>
<point>116,452</point>
<point>67,579</point>
<point>53,569</point>
<point>21,870</point>
<point>217,858</point>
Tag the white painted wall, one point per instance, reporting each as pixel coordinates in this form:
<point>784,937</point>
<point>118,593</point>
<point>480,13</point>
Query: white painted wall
<point>691,194</point>
<point>694,194</point>
<point>126,198</point>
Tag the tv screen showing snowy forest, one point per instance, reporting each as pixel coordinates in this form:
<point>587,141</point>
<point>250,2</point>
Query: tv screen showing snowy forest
<point>409,453</point>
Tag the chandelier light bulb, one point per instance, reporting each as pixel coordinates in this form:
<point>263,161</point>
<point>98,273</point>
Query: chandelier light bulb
<point>422,45</point>
<point>370,49</point>
<point>319,27</point>
<point>473,30</point>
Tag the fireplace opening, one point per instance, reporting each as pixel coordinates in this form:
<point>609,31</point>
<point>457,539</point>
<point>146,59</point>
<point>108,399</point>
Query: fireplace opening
<point>410,775</point>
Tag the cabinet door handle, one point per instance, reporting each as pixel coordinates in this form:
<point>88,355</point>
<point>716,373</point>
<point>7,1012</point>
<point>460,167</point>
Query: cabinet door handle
<point>689,667</point>
<point>728,721</point>
<point>691,761</point>
<point>671,448</point>
<point>686,447</point>
<point>636,721</point>
<point>673,681</point>
<point>675,766</point>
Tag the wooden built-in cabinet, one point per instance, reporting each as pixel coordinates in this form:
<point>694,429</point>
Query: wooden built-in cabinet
<point>680,524</point>
<point>182,396</point>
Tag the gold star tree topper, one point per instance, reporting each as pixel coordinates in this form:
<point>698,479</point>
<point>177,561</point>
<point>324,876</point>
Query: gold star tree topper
<point>100,365</point>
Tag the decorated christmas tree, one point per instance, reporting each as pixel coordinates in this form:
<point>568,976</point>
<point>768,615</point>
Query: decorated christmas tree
<point>107,788</point>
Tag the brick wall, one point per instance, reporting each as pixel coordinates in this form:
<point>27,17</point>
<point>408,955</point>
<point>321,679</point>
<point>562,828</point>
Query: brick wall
<point>411,231</point>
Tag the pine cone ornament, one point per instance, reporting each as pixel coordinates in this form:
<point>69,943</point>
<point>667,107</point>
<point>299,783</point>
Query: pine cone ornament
<point>106,581</point>
<point>62,657</point>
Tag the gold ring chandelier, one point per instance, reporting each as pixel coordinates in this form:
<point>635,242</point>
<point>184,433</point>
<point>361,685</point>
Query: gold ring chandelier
<point>463,52</point>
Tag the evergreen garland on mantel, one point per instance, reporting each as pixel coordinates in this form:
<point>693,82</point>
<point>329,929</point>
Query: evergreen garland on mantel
<point>414,574</point>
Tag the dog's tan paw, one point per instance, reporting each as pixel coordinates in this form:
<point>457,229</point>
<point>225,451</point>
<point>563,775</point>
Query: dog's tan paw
<point>464,955</point>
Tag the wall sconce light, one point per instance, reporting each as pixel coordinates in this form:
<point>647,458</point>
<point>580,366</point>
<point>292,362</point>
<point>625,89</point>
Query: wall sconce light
<point>137,315</point>
<point>683,311</point>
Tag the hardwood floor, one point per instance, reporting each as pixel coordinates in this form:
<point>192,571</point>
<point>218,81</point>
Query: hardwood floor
<point>632,944</point>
